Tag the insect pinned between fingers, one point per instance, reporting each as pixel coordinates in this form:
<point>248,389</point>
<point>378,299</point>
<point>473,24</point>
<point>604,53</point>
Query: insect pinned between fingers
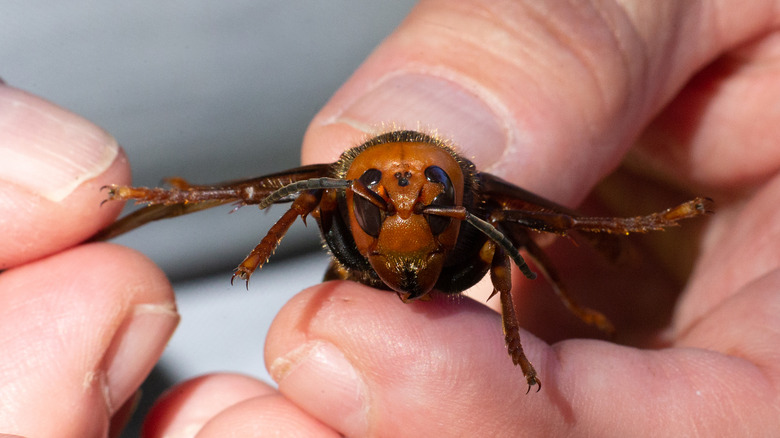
<point>403,211</point>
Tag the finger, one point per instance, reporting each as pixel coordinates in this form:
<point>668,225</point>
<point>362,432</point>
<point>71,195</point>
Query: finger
<point>364,363</point>
<point>360,360</point>
<point>52,165</point>
<point>269,415</point>
<point>557,91</point>
<point>79,330</point>
<point>741,248</point>
<point>184,409</point>
<point>721,130</point>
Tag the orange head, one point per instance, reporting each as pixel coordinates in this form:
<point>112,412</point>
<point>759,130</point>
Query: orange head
<point>392,182</point>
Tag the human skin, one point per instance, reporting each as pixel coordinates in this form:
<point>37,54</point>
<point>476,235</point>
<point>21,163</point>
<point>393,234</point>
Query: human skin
<point>81,325</point>
<point>553,98</point>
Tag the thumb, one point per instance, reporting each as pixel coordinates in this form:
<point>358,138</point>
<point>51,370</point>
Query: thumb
<point>558,90</point>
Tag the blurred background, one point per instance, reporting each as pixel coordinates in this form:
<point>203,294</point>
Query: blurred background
<point>208,91</point>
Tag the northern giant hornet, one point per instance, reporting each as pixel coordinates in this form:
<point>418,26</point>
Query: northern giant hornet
<point>403,211</point>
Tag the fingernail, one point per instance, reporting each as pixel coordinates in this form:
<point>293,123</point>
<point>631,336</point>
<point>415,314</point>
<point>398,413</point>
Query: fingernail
<point>47,150</point>
<point>435,105</point>
<point>318,377</point>
<point>138,344</point>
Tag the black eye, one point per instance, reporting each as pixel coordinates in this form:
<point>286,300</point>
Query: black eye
<point>371,177</point>
<point>368,215</point>
<point>446,198</point>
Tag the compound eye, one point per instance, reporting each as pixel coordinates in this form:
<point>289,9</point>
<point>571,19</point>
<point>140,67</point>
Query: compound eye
<point>368,215</point>
<point>446,198</point>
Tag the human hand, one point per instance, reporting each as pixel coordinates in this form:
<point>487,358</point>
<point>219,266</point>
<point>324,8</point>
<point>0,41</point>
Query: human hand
<point>561,92</point>
<point>80,326</point>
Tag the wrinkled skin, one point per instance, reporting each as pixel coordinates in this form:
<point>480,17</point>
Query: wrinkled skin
<point>551,98</point>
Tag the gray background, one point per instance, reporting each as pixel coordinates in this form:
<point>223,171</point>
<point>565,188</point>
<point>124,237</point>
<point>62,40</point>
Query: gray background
<point>208,91</point>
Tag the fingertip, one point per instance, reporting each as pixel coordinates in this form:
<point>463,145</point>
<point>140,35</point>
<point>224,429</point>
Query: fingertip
<point>499,112</point>
<point>52,166</point>
<point>49,151</point>
<point>452,107</point>
<point>358,359</point>
<point>324,142</point>
<point>269,415</point>
<point>184,409</point>
<point>342,402</point>
<point>84,325</point>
